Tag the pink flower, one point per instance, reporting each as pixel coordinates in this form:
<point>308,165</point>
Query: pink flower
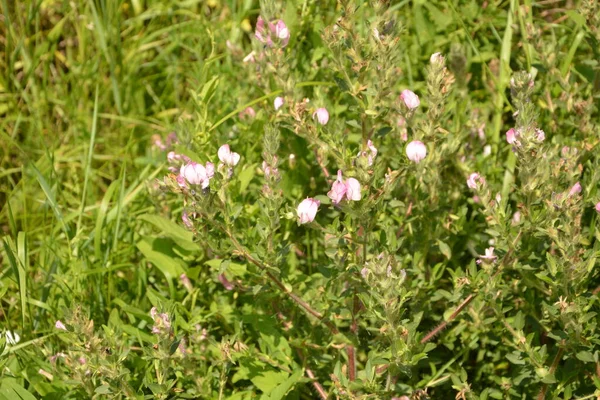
<point>228,157</point>
<point>270,171</point>
<point>59,325</point>
<point>181,181</point>
<point>338,189</point>
<point>416,151</point>
<point>511,137</point>
<point>598,207</point>
<point>489,256</point>
<point>353,189</point>
<point>278,103</point>
<point>364,272</point>
<point>307,210</point>
<point>475,180</point>
<point>540,135</point>
<point>247,113</point>
<point>176,159</point>
<point>322,115</point>
<point>370,155</point>
<point>196,174</point>
<point>576,189</point>
<point>410,99</point>
<point>277,31</point>
<point>157,142</point>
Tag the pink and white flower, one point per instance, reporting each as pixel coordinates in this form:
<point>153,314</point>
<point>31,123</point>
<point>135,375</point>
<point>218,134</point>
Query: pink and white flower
<point>350,189</point>
<point>540,135</point>
<point>410,99</point>
<point>322,115</point>
<point>416,151</point>
<point>227,156</point>
<point>59,325</point>
<point>196,174</point>
<point>488,257</point>
<point>371,154</point>
<point>338,189</point>
<point>353,189</point>
<point>307,210</point>
<point>278,103</point>
<point>511,137</point>
<point>475,181</point>
<point>597,207</point>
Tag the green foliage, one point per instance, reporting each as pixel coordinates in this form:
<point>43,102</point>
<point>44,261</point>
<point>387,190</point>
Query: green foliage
<point>104,293</point>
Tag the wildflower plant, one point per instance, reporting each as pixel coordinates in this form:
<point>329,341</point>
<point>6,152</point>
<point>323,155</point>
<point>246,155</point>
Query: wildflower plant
<point>354,204</point>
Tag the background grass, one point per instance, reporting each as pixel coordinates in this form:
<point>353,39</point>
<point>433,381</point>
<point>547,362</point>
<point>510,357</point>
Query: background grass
<point>85,84</point>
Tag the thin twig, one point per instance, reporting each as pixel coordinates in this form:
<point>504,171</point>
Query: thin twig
<point>351,363</point>
<point>316,384</point>
<point>297,299</point>
<point>441,326</point>
<point>557,358</point>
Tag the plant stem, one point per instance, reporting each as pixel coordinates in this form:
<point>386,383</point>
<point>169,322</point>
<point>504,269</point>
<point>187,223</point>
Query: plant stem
<point>297,299</point>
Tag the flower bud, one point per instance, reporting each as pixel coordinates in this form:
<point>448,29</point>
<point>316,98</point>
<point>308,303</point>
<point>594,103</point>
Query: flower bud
<point>598,207</point>
<point>322,116</point>
<point>410,99</point>
<point>416,151</point>
<point>576,189</point>
<point>307,210</point>
<point>436,59</point>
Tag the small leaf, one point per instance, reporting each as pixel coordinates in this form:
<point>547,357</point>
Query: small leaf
<point>445,249</point>
<point>585,356</point>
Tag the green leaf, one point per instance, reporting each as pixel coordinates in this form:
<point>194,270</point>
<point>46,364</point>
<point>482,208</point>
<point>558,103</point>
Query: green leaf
<point>14,391</point>
<point>267,381</point>
<point>245,176</point>
<point>159,253</point>
<point>178,233</point>
<point>445,249</point>
<point>284,387</point>
<point>585,356</point>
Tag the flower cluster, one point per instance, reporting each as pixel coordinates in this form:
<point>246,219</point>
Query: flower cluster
<point>273,33</point>
<point>162,322</point>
